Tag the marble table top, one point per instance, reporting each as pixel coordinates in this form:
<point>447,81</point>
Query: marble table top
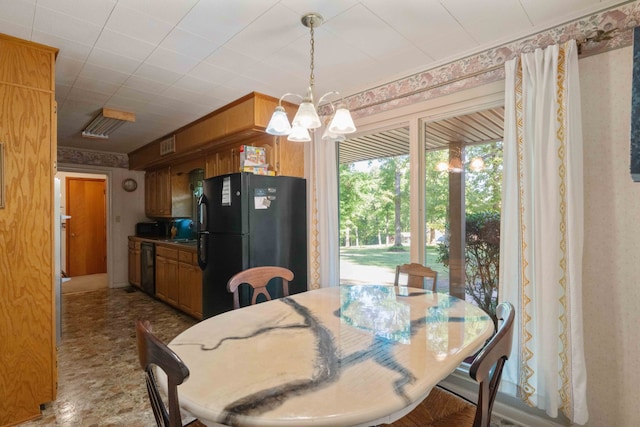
<point>342,356</point>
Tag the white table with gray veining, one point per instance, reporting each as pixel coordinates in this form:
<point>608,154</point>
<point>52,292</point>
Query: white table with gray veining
<point>343,356</point>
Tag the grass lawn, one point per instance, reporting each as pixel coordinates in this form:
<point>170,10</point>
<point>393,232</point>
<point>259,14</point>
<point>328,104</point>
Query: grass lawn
<point>382,257</point>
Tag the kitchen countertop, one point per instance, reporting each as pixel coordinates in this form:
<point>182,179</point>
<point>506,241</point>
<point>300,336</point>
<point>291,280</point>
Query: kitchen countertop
<point>182,244</point>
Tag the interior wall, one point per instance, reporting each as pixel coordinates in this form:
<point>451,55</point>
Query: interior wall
<point>124,210</point>
<point>611,295</point>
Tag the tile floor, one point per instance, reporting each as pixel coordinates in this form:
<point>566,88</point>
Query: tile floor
<point>100,382</point>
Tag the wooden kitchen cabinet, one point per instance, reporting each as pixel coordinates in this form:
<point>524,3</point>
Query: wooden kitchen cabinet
<point>28,359</point>
<point>284,157</point>
<point>190,284</point>
<point>134,263</point>
<point>167,274</point>
<point>157,196</point>
<point>179,279</point>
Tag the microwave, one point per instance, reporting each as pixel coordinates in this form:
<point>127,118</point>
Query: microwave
<point>153,229</point>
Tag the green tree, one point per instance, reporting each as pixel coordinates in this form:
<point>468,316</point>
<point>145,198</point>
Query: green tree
<point>394,177</point>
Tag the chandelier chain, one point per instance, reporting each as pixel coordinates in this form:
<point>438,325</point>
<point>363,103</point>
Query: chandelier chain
<point>312,76</point>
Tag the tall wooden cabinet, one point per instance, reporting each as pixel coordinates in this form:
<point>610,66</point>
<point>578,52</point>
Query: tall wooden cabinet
<point>28,374</point>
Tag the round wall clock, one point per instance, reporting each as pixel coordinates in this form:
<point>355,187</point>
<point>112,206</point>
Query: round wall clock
<point>129,184</point>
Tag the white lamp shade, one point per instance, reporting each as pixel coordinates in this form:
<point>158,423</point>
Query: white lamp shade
<point>279,123</point>
<point>306,117</point>
<point>328,136</point>
<point>342,122</point>
<point>299,134</point>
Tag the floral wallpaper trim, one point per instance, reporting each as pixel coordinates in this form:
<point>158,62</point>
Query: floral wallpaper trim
<point>76,156</point>
<point>486,67</point>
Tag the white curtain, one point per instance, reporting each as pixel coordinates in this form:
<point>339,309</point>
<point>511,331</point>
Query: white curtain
<point>541,231</point>
<point>322,200</point>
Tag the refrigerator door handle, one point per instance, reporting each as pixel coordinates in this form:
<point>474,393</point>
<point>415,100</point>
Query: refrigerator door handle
<point>202,233</point>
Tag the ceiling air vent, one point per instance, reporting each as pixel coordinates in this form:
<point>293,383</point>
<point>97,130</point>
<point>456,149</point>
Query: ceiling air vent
<point>168,145</point>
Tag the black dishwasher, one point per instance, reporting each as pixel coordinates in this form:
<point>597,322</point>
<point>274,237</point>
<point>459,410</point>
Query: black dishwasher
<point>147,267</point>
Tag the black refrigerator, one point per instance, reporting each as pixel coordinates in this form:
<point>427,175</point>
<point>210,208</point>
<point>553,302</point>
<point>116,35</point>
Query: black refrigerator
<point>246,220</point>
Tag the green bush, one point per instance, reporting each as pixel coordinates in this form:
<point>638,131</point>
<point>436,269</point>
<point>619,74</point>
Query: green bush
<point>482,258</point>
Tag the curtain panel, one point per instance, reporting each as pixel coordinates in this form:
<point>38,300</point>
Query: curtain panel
<point>542,229</point>
<point>322,199</point>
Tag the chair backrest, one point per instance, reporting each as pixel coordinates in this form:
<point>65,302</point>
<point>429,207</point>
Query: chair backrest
<point>416,273</point>
<point>151,351</point>
<point>492,356</point>
<point>258,278</point>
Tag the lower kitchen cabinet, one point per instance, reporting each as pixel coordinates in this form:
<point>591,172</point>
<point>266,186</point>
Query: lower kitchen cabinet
<point>179,279</point>
<point>134,263</point>
<point>190,284</point>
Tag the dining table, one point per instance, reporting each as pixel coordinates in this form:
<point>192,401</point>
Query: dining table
<point>349,355</point>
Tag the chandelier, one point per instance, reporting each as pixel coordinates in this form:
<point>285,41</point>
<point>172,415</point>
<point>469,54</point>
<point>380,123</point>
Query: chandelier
<point>306,118</point>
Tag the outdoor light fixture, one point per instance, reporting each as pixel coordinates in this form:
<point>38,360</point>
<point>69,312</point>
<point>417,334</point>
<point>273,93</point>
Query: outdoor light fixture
<point>306,117</point>
<point>455,165</point>
<point>106,122</point>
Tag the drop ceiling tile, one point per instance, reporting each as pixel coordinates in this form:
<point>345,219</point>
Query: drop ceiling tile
<point>151,72</point>
<point>212,73</point>
<point>230,59</point>
<point>126,103</point>
<point>409,59</point>
<point>67,48</point>
<point>364,30</point>
<point>169,11</point>
<point>193,84</point>
<point>188,44</point>
<point>145,85</point>
<point>482,22</point>
<point>65,26</point>
<point>88,95</point>
<point>94,85</point>
<point>67,69</point>
<point>327,8</point>
<point>112,61</point>
<point>449,45</point>
<point>9,27</point>
<point>242,83</point>
<point>134,94</point>
<point>219,21</point>
<point>16,13</point>
<point>269,33</point>
<point>417,20</point>
<point>229,93</point>
<point>101,73</point>
<point>123,45</point>
<point>94,11</point>
<point>139,25</point>
<point>172,61</point>
<point>544,11</point>
<point>61,91</point>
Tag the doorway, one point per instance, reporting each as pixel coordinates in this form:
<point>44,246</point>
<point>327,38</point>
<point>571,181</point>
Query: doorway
<point>86,230</point>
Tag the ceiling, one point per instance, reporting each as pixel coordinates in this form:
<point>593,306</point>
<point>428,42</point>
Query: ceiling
<point>171,62</point>
<point>472,128</point>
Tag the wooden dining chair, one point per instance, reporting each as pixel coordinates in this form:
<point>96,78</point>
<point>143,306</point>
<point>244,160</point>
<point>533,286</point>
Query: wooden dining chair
<point>258,278</point>
<point>416,275</point>
<point>152,351</point>
<point>443,408</point>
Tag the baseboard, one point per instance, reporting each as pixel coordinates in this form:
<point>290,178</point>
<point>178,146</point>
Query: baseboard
<point>506,407</point>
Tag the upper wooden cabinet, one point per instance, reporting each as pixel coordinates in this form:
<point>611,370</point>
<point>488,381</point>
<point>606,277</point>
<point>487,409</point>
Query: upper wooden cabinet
<point>231,126</point>
<point>284,157</point>
<point>168,193</point>
<point>28,359</point>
